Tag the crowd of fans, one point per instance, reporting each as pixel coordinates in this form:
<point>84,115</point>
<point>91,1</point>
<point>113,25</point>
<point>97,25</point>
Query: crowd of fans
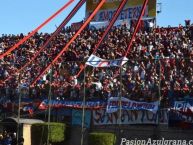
<point>160,65</point>
<point>8,138</point>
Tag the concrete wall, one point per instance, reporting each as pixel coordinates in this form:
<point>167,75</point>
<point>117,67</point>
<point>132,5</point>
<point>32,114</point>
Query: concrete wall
<point>144,132</point>
<point>132,132</point>
<point>76,134</point>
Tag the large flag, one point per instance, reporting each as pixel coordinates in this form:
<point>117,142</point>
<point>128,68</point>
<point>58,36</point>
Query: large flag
<point>131,10</point>
<point>99,62</point>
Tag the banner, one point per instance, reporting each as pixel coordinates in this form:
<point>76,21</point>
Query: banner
<point>103,24</point>
<point>98,25</point>
<point>126,104</point>
<point>99,62</point>
<point>77,118</point>
<point>181,115</point>
<point>76,26</point>
<point>101,117</point>
<point>131,10</point>
<point>183,106</point>
<point>72,104</point>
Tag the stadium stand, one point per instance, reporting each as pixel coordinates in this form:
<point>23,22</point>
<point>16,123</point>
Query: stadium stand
<point>160,59</point>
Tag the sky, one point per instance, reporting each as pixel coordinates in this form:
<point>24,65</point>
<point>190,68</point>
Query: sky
<point>23,16</point>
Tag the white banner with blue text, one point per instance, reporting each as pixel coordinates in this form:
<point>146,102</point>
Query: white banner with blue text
<point>113,105</point>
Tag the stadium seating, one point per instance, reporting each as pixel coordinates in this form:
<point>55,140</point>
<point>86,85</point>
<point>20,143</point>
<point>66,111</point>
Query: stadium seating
<point>160,65</point>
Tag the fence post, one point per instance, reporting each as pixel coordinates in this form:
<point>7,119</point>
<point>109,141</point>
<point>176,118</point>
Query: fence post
<point>49,105</point>
<point>159,91</point>
<point>19,106</point>
<point>120,102</point>
<point>83,109</point>
<point>159,105</point>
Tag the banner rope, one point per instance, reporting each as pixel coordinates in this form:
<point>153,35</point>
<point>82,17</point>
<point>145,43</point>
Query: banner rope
<point>62,25</point>
<point>115,16</point>
<point>36,30</point>
<point>136,27</point>
<point>131,41</point>
<point>71,40</point>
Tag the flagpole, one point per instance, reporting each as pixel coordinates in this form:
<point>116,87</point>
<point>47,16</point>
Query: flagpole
<point>159,94</point>
<point>49,105</point>
<point>19,106</point>
<point>120,102</point>
<point>83,110</point>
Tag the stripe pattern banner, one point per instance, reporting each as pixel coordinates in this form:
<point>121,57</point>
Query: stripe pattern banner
<point>99,62</point>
